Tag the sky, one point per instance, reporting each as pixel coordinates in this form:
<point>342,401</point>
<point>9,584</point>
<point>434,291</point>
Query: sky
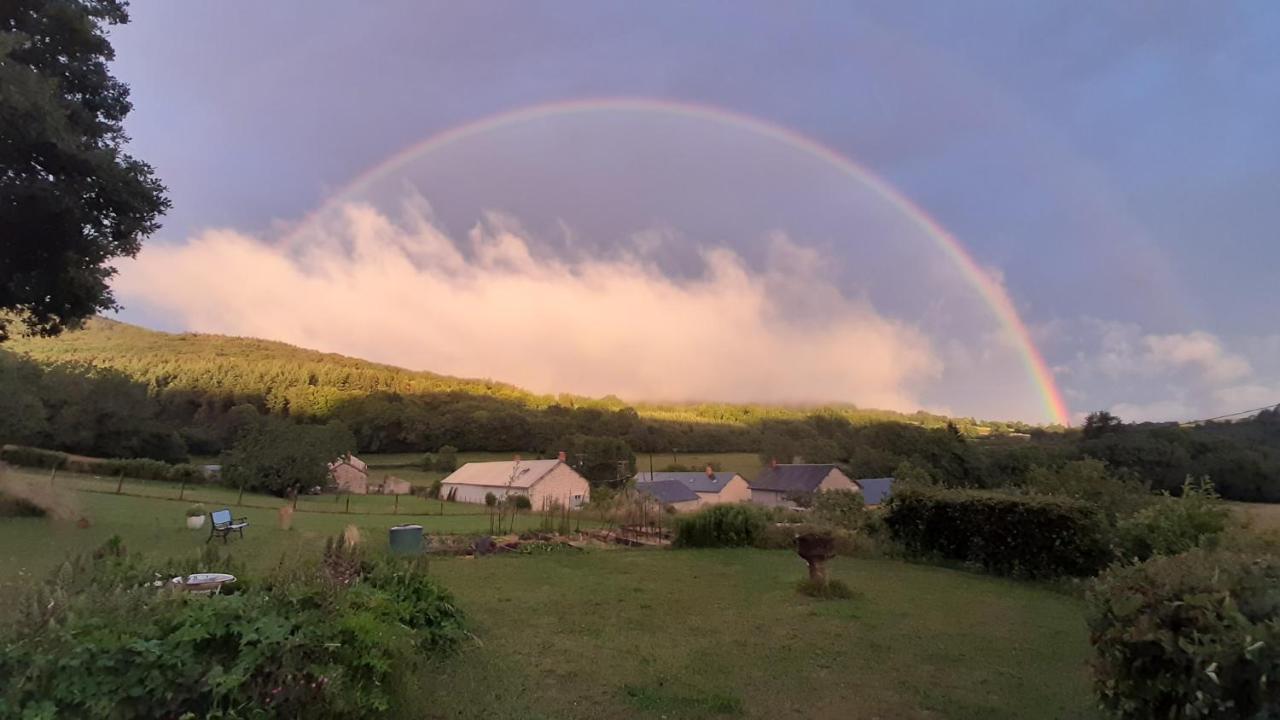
<point>760,220</point>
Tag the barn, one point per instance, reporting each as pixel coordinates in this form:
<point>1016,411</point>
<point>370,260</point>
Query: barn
<point>350,474</point>
<point>545,482</point>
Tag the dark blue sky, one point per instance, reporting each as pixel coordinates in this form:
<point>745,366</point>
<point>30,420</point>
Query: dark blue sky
<point>1116,163</point>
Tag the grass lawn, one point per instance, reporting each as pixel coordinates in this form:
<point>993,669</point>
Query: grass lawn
<point>722,633</point>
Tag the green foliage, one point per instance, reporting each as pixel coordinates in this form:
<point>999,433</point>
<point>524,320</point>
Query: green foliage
<point>443,460</point>
<point>1175,525</point>
<point>100,641</point>
<point>1188,636</point>
<point>71,200</point>
<point>844,509</point>
<point>724,525</point>
<point>1118,494</point>
<point>1100,423</point>
<point>490,499</point>
<point>13,506</point>
<point>195,510</point>
<point>521,502</point>
<point>32,457</point>
<point>603,461</point>
<point>1023,535</point>
<point>277,456</point>
<point>142,468</point>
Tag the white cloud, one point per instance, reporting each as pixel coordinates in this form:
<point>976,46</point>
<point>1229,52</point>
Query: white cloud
<point>405,293</point>
<point>1199,350</point>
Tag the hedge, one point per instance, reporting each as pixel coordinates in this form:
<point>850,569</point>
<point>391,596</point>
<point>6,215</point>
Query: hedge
<point>1022,535</point>
<point>1188,636</point>
<point>141,468</point>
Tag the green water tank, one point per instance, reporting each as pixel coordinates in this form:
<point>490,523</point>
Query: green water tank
<point>406,540</point>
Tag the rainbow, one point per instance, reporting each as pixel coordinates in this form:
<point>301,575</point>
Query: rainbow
<point>991,292</point>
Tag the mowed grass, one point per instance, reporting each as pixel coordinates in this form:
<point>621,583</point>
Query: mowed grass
<point>31,547</point>
<point>708,634</point>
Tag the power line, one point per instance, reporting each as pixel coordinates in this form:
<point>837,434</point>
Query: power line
<point>1229,415</point>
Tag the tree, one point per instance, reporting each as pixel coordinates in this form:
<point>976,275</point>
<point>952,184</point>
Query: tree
<point>278,456</point>
<point>71,199</point>
<point>603,461</point>
<point>1100,423</point>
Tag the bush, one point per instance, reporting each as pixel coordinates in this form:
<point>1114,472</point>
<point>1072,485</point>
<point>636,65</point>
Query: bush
<point>1175,525</point>
<point>1190,636</point>
<point>98,642</point>
<point>32,457</point>
<point>195,510</point>
<point>844,509</point>
<point>13,506</point>
<point>1119,494</point>
<point>1023,535</point>
<point>725,525</point>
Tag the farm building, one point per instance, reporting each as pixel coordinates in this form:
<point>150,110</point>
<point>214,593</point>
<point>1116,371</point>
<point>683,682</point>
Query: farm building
<point>875,490</point>
<point>350,474</point>
<point>392,485</point>
<point>543,481</point>
<point>670,493</point>
<point>776,482</point>
<point>710,486</point>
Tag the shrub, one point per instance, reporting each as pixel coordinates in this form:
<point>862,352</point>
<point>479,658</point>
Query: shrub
<point>725,525</point>
<point>1175,525</point>
<point>1024,535</point>
<point>1119,493</point>
<point>844,509</point>
<point>1189,636</point>
<point>12,506</point>
<point>101,643</point>
<point>195,511</point>
<point>32,457</point>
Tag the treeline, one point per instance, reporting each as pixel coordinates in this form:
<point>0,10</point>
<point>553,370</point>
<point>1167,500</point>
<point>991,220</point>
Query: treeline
<point>115,390</point>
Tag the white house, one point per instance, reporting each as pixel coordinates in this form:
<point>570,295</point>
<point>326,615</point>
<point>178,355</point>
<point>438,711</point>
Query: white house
<point>545,482</point>
<point>776,482</point>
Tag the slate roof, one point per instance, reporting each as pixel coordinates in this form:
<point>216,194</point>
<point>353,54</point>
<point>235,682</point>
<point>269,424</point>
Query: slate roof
<point>498,474</point>
<point>875,490</point>
<point>667,491</point>
<point>699,482</point>
<point>791,478</point>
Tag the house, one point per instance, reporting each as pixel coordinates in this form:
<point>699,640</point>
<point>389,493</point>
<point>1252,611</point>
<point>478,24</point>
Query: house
<point>710,486</point>
<point>350,474</point>
<point>392,485</point>
<point>670,493</point>
<point>545,482</point>
<point>777,483</point>
<point>875,490</point>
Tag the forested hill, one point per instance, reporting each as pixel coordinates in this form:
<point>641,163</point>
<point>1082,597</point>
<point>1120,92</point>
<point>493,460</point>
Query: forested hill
<point>210,373</point>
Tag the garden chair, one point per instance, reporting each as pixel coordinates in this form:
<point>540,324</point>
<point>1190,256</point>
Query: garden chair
<point>223,525</point>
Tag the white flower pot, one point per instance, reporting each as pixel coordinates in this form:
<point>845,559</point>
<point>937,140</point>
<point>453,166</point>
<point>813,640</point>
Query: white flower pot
<point>195,523</point>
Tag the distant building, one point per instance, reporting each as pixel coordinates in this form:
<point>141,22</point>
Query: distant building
<point>392,485</point>
<point>875,491</point>
<point>350,474</point>
<point>544,482</point>
<point>670,493</point>
<point>709,486</point>
<point>777,483</point>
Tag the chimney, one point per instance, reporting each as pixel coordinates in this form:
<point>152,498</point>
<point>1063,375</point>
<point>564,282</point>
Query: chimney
<point>773,463</point>
<point>711,472</point>
<point>562,457</point>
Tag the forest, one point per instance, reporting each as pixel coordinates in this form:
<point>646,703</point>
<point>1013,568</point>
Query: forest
<point>116,390</point>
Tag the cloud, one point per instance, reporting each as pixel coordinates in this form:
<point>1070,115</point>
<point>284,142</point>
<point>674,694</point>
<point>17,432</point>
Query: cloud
<point>1199,350</point>
<point>401,291</point>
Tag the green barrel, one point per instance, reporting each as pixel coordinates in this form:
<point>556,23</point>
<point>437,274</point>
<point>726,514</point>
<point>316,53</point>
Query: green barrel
<point>406,540</point>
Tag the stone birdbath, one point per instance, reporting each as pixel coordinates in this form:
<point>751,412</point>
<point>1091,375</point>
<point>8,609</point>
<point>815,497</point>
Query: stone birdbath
<point>816,547</point>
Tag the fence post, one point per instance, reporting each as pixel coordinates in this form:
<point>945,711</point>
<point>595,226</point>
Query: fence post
<point>182,491</point>
<point>295,498</point>
<point>240,498</point>
<point>396,510</point>
<point>53,474</point>
<point>348,510</point>
<point>120,483</point>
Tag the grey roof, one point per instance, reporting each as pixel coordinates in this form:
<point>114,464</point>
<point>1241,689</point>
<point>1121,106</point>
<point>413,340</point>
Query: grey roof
<point>699,482</point>
<point>667,491</point>
<point>791,478</point>
<point>875,490</point>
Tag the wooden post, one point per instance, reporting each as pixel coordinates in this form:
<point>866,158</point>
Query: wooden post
<point>182,491</point>
<point>120,483</point>
<point>348,510</point>
<point>295,498</point>
<point>53,474</point>
<point>240,498</point>
<point>395,510</point>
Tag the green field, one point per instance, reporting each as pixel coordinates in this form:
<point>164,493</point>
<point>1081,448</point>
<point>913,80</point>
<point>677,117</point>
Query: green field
<point>722,633</point>
<point>653,634</point>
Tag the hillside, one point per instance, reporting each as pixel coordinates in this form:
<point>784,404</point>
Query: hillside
<point>307,383</point>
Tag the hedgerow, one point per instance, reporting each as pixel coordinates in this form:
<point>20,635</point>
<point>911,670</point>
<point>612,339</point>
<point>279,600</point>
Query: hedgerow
<point>725,525</point>
<point>1022,535</point>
